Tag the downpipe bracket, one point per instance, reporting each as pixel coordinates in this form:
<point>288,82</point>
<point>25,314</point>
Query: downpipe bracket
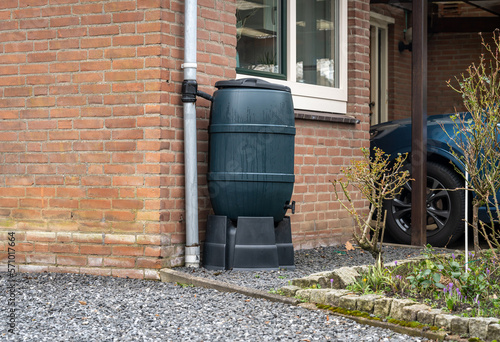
<point>190,91</point>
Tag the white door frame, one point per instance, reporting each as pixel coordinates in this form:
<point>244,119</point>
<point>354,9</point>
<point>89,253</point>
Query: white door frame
<point>379,42</point>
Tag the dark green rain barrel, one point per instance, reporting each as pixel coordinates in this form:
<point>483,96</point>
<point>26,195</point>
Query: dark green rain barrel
<point>251,160</point>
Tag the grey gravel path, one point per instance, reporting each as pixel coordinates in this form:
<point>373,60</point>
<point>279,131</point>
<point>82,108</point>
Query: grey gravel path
<point>69,307</point>
<point>65,307</point>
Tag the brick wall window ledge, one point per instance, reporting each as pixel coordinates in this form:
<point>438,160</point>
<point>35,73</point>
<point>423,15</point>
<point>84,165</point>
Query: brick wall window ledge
<point>325,116</point>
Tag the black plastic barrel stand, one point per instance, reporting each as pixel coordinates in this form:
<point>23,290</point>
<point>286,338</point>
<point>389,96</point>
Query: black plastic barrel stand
<point>253,244</point>
<point>283,236</point>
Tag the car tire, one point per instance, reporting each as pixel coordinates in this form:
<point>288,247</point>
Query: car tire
<point>445,208</point>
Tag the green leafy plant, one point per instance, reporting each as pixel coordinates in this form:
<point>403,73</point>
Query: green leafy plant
<point>377,179</point>
<point>376,279</point>
<point>426,276</point>
<point>184,285</point>
<point>276,291</point>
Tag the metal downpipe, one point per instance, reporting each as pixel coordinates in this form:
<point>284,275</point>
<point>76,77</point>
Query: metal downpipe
<point>192,249</point>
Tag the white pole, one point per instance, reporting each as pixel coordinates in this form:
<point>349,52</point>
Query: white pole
<point>466,219</point>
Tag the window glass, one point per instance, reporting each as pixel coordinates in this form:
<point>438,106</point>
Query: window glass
<point>298,43</point>
<point>260,36</point>
<point>317,42</point>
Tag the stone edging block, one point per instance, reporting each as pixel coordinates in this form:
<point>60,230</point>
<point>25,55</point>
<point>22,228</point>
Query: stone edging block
<point>348,301</point>
<point>480,326</point>
<point>366,303</point>
<point>410,312</point>
<point>428,316</point>
<point>382,307</point>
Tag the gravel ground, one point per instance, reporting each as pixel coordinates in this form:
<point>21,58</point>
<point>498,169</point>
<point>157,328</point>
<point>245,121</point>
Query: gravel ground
<point>69,307</point>
<point>306,262</point>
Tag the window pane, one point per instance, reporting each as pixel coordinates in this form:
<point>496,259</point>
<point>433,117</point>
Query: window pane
<point>317,42</point>
<point>259,35</point>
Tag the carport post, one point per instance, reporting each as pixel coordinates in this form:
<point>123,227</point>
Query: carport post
<point>419,123</point>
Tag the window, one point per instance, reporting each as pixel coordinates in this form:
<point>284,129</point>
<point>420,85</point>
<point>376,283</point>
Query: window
<point>260,32</point>
<point>299,43</point>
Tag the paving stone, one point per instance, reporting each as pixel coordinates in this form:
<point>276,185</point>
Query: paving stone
<point>301,282</point>
<point>348,301</point>
<point>460,325</point>
<point>336,283</point>
<point>324,280</point>
<point>410,312</point>
<point>443,321</point>
<point>428,317</point>
<point>367,302</point>
<point>317,279</point>
<point>362,269</point>
<point>290,290</point>
<point>345,276</point>
<point>333,296</point>
<point>382,307</point>
<point>478,326</point>
<point>336,279</point>
<point>397,307</point>
<point>494,332</point>
<point>318,296</point>
<point>324,274</point>
<point>304,294</point>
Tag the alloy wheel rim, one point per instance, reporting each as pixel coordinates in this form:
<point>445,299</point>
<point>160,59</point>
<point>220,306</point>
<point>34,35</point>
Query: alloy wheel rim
<point>438,207</point>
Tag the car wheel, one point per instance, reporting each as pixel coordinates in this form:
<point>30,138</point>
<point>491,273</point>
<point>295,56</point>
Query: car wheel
<point>445,208</point>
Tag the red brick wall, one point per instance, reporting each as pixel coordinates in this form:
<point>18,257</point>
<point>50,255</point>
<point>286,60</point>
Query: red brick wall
<point>321,150</point>
<point>91,130</point>
<point>91,133</point>
<point>448,60</point>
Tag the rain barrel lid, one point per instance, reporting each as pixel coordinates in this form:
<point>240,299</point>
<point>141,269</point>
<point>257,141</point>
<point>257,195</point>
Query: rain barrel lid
<point>251,83</point>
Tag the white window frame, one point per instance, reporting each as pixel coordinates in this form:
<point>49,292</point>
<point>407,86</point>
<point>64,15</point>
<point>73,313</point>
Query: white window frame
<point>309,96</point>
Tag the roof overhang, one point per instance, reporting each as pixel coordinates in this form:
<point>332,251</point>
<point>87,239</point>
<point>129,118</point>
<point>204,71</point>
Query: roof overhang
<point>487,20</point>
<point>491,6</point>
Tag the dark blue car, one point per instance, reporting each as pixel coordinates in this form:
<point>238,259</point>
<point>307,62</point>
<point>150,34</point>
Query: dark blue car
<point>445,207</point>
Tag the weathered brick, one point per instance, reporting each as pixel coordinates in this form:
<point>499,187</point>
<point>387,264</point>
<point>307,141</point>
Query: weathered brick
<point>128,17</point>
<point>119,215</point>
<point>128,273</point>
<point>41,259</point>
<point>149,239</point>
<point>119,239</point>
<point>95,250</point>
<point>72,260</point>
<point>64,248</point>
<point>119,6</point>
